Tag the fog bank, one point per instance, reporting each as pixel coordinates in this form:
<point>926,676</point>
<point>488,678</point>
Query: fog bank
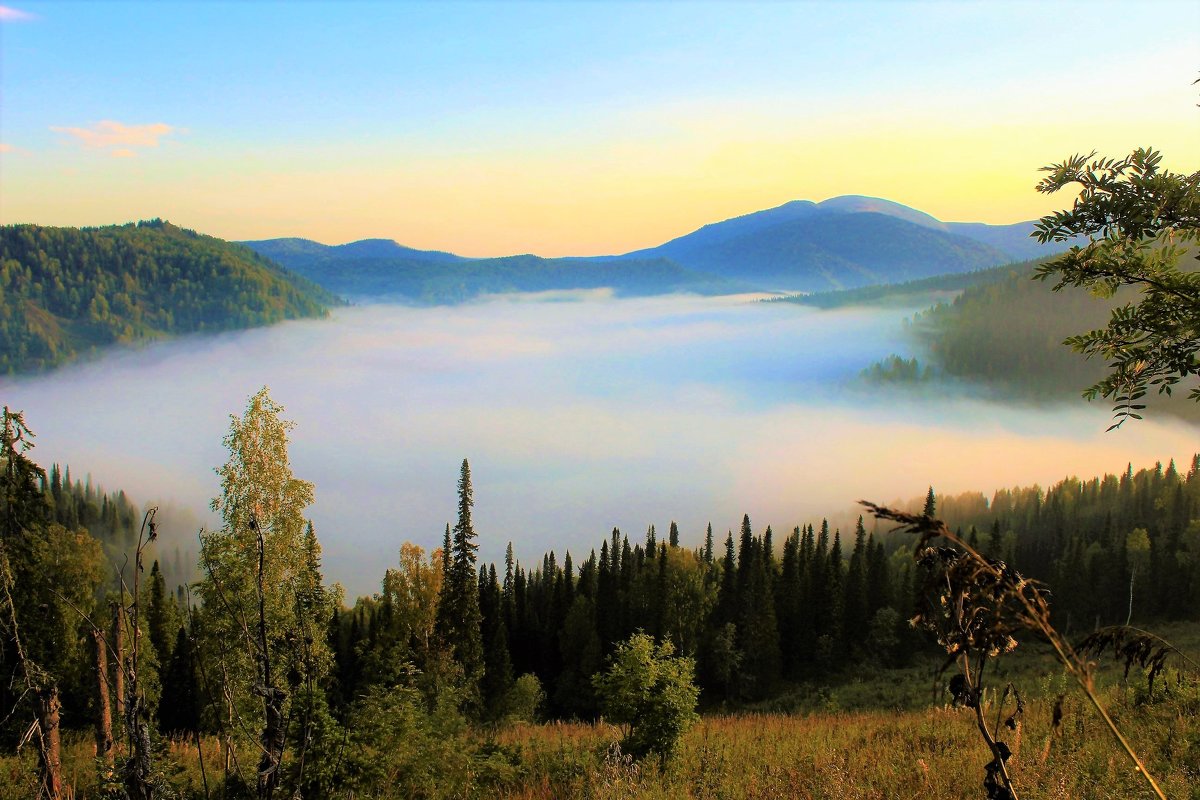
<point>577,412</point>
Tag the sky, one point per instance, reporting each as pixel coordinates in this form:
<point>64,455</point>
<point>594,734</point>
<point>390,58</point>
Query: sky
<point>569,128</point>
<point>577,416</point>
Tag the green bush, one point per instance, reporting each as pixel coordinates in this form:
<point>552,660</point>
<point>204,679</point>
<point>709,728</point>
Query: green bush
<point>651,692</point>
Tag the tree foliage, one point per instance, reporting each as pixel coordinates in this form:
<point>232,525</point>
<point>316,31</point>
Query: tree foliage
<point>1139,221</point>
<point>265,607</point>
<point>68,291</point>
<point>650,691</point>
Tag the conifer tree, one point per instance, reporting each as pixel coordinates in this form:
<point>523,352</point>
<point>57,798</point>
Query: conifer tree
<point>855,611</point>
<point>497,673</point>
<point>787,605</point>
<point>458,621</point>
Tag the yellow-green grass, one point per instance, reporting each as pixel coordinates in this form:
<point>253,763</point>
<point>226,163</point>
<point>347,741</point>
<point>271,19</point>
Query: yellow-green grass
<point>892,751</point>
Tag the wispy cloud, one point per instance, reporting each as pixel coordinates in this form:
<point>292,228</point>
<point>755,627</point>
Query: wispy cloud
<point>10,14</point>
<point>120,139</point>
<point>6,148</point>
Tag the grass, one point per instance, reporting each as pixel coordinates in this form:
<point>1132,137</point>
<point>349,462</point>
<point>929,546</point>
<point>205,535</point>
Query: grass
<point>875,734</point>
<point>935,753</point>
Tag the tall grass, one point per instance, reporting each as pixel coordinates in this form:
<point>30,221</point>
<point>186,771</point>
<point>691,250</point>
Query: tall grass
<point>933,752</point>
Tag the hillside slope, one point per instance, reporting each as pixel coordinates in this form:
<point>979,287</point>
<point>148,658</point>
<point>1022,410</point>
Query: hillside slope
<point>69,291</point>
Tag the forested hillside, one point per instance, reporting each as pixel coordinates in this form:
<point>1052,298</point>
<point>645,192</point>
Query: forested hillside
<point>69,291</point>
<point>906,293</point>
<point>448,643</point>
<point>1004,334</point>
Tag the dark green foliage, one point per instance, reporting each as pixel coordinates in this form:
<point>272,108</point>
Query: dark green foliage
<point>179,708</point>
<point>497,664</point>
<point>68,291</point>
<point>897,369</point>
<point>162,615</point>
<point>48,581</point>
<point>459,619</point>
<point>1139,220</point>
<point>922,292</point>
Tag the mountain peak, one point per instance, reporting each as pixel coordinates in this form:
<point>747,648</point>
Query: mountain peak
<point>857,204</point>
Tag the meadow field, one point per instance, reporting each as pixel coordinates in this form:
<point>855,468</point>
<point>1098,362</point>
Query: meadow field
<point>875,735</point>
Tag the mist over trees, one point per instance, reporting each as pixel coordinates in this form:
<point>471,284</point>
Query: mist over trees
<point>301,691</point>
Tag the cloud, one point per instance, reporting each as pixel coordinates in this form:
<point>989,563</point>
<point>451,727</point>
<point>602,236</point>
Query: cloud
<point>6,148</point>
<point>10,14</point>
<point>120,137</point>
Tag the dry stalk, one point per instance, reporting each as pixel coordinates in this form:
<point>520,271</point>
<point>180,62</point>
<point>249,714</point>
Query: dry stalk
<point>994,601</point>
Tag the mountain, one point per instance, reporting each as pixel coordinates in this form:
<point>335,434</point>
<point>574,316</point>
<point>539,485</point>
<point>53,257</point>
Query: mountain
<point>819,250</point>
<point>839,243</point>
<point>844,242</point>
<point>297,252</point>
<point>1015,239</point>
<point>69,291</point>
<point>451,279</point>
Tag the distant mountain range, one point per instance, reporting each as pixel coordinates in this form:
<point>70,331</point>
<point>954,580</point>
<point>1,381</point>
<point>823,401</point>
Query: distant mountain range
<point>840,243</point>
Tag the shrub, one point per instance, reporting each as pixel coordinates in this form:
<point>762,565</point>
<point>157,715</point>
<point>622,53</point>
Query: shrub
<point>651,692</point>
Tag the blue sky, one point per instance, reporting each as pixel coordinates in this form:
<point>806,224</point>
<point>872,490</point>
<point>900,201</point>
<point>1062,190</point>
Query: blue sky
<point>491,128</point>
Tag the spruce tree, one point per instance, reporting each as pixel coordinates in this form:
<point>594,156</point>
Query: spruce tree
<point>458,620</point>
<point>855,612</point>
<point>161,616</point>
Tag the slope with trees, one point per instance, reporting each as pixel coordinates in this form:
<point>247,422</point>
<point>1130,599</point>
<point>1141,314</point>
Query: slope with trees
<point>68,291</point>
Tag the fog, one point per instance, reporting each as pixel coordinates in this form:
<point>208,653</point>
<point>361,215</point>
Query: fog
<point>578,413</point>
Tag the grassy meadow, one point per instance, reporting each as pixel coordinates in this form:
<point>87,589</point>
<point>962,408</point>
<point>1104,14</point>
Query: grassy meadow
<point>877,734</point>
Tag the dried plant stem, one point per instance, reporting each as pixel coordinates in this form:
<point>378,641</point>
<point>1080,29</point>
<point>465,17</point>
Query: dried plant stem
<point>977,703</point>
<point>1033,614</point>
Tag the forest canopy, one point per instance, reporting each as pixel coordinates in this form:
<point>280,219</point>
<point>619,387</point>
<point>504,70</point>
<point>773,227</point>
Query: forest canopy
<point>70,291</point>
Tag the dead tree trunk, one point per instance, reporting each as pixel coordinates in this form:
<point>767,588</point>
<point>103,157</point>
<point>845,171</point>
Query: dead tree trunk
<point>104,730</point>
<point>50,752</point>
<point>118,612</point>
<point>273,740</point>
<point>137,767</point>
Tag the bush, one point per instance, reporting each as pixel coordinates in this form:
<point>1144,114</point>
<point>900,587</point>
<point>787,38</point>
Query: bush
<point>651,692</point>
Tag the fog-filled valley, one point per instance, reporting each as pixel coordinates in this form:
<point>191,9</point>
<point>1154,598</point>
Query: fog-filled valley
<point>578,412</point>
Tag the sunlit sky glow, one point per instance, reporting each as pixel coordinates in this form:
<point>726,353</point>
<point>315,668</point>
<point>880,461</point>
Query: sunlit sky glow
<point>574,128</point>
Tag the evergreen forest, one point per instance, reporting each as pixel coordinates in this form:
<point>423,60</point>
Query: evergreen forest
<point>69,291</point>
<point>278,686</point>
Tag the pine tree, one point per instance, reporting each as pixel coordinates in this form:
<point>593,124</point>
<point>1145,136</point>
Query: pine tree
<point>787,605</point>
<point>459,618</point>
<point>161,616</point>
<point>855,613</point>
<point>497,673</point>
<point>930,504</point>
<point>673,536</point>
<point>179,708</point>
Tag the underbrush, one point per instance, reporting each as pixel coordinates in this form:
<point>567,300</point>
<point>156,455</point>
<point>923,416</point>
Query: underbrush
<point>873,735</point>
